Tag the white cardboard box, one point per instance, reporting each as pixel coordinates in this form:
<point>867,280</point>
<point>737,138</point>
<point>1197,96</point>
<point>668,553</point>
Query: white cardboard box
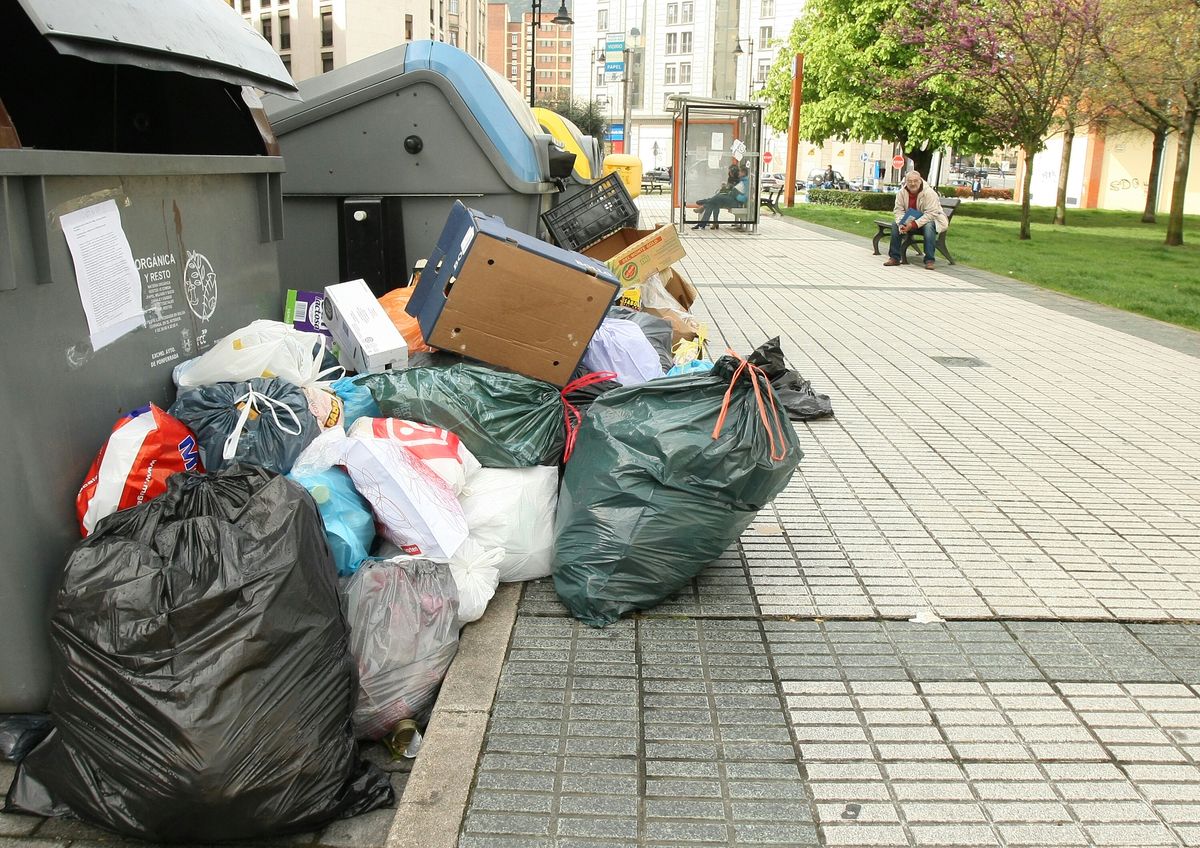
<point>368,341</point>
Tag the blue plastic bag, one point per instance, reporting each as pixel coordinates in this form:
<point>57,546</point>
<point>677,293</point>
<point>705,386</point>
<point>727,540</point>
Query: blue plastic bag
<point>349,524</point>
<point>694,366</point>
<point>356,399</point>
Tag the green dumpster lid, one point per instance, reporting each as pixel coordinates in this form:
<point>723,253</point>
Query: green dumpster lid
<point>201,38</point>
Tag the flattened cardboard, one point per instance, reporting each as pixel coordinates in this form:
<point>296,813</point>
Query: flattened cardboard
<point>634,255</point>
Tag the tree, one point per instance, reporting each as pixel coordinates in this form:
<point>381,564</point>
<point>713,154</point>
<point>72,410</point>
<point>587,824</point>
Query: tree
<point>1023,59</point>
<point>591,116</point>
<point>852,63</point>
<point>1137,89</point>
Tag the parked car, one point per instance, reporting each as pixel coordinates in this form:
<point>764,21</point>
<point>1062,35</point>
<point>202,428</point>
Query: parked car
<point>816,179</point>
<point>659,175</point>
<point>770,182</point>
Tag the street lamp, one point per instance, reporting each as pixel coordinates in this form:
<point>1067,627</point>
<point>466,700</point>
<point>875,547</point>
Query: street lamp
<point>738,51</point>
<point>563,18</point>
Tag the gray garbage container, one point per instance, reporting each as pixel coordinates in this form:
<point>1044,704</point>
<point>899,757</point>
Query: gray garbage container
<point>146,103</point>
<point>378,151</point>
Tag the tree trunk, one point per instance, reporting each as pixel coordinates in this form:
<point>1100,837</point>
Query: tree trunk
<point>922,160</point>
<point>1027,183</point>
<point>1187,129</point>
<point>1160,141</point>
<point>1064,168</point>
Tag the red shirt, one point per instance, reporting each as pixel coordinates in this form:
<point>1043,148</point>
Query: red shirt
<point>912,199</point>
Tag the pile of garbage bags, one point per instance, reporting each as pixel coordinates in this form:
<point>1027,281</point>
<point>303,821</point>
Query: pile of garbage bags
<point>279,565</point>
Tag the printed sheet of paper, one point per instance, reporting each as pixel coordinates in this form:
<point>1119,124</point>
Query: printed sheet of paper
<point>109,284</point>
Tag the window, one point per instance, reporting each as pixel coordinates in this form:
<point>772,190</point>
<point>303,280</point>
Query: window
<point>285,31</point>
<point>667,104</point>
<point>512,70</point>
<point>686,17</point>
<point>452,7</point>
<point>326,27</point>
<point>602,20</point>
<point>685,42</point>
<point>287,63</point>
<point>408,28</point>
<point>266,30</point>
<point>326,62</point>
<point>669,75</point>
<point>765,34</point>
<point>766,8</point>
<point>672,43</point>
<point>453,36</point>
<point>245,7</point>
<point>764,67</point>
<point>600,75</point>
<point>512,39</point>
<point>281,3</point>
<point>672,13</point>
<point>685,72</point>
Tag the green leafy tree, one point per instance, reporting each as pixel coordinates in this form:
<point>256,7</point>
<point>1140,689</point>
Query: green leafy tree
<point>591,116</point>
<point>858,84</point>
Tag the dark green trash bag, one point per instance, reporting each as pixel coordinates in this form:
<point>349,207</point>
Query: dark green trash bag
<point>650,497</point>
<point>506,420</point>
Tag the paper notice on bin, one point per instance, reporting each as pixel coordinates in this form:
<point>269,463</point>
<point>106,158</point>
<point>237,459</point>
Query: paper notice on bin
<point>109,284</point>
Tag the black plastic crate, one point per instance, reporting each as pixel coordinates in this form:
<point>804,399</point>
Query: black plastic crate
<point>591,215</point>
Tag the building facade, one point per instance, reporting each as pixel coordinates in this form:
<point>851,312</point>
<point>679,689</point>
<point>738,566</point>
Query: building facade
<point>315,36</point>
<point>676,47</point>
<point>554,57</point>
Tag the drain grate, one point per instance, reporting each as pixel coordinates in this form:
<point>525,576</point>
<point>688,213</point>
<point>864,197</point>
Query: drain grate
<point>960,361</point>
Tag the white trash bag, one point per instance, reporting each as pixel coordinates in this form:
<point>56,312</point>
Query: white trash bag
<point>441,450</point>
<point>513,509</point>
<point>260,349</point>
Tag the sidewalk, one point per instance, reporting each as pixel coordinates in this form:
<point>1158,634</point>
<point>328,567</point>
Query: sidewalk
<point>1017,471</point>
<point>1001,459</point>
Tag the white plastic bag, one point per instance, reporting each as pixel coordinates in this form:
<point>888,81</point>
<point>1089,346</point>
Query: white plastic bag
<point>260,349</point>
<point>476,575</point>
<point>513,509</point>
<point>414,507</point>
<point>403,617</point>
<point>442,451</point>
<point>622,348</point>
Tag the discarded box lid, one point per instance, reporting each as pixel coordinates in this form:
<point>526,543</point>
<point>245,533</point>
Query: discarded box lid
<point>592,214</point>
<point>500,296</point>
<point>634,255</point>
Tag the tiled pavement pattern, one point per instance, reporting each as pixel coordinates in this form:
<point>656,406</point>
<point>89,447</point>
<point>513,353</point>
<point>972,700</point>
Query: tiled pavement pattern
<point>1002,462</point>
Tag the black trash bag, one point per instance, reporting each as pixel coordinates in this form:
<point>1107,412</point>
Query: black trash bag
<point>269,419</point>
<point>582,396</point>
<point>650,497</point>
<point>796,393</point>
<point>203,685</point>
<point>20,732</point>
<point>657,330</point>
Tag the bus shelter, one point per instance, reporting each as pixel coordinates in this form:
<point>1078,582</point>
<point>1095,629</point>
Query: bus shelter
<point>710,136</point>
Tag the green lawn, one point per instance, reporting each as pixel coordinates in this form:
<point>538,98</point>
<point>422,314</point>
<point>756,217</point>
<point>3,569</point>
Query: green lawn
<point>1106,257</point>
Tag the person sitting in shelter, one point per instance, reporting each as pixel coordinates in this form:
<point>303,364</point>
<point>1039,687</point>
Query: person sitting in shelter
<point>918,206</point>
<point>729,197</point>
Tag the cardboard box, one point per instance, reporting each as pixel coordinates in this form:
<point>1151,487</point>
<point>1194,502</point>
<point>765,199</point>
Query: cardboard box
<point>634,255</point>
<point>367,339</point>
<point>302,310</point>
<point>501,296</point>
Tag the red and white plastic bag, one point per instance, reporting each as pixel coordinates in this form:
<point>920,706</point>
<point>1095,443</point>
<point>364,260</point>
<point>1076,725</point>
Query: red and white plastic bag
<point>440,450</point>
<point>145,448</point>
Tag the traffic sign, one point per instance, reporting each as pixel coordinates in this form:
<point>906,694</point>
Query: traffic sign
<point>863,157</point>
<point>897,161</point>
<point>767,157</point>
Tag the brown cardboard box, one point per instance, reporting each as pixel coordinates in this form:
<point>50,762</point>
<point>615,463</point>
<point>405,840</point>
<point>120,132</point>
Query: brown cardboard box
<point>634,255</point>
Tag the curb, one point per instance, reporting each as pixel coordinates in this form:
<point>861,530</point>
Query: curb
<point>431,810</point>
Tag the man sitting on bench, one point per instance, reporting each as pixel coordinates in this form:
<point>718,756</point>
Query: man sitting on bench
<point>731,195</point>
<point>918,206</point>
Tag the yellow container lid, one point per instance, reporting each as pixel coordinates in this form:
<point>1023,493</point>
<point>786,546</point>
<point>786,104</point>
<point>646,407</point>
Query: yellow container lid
<point>569,136</point>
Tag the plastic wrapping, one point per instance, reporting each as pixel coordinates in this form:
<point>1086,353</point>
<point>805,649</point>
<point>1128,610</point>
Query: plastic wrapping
<point>664,478</point>
<point>440,450</point>
<point>393,304</point>
<point>795,393</point>
<point>513,509</point>
<point>258,422</point>
<point>20,733</point>
<point>349,525</point>
<point>403,634</point>
<point>657,330</point>
<point>203,684</point>
<point>356,401</point>
<point>505,420</point>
